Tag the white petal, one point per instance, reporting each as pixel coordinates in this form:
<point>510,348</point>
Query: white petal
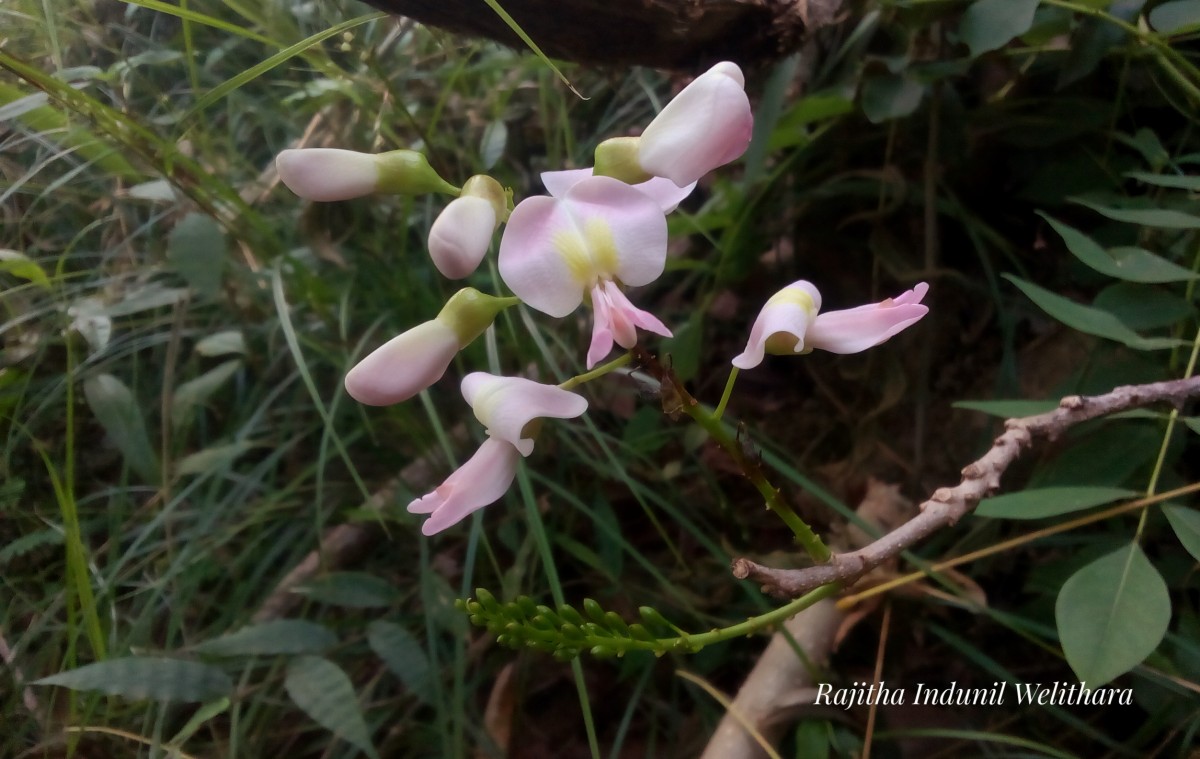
<point>460,236</point>
<point>634,224</point>
<point>506,405</point>
<point>403,366</point>
<point>326,174</point>
<point>531,262</point>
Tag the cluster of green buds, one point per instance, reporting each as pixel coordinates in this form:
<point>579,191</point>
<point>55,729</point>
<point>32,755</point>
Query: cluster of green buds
<point>566,632</point>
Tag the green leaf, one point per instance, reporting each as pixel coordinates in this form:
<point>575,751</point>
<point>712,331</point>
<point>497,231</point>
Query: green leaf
<point>1091,321</point>
<point>1130,264</point>
<point>491,147</point>
<point>1173,181</point>
<point>29,542</point>
<point>222,343</point>
<point>357,590</point>
<point>196,251</point>
<point>1039,503</point>
<point>1176,16</point>
<point>280,636</point>
<point>1193,423</point>
<point>992,24</point>
<point>205,713</point>
<point>1107,455</point>
<point>195,392</point>
<point>1142,306</point>
<point>1132,213</point>
<point>1186,523</point>
<point>20,265</point>
<point>890,96</point>
<point>121,416</point>
<point>403,655</point>
<point>1112,614</point>
<point>323,691</point>
<point>148,677</point>
<point>1008,409</point>
<point>213,458</point>
<point>812,108</point>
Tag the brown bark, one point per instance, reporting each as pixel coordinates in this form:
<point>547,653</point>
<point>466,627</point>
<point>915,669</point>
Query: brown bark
<point>675,34</point>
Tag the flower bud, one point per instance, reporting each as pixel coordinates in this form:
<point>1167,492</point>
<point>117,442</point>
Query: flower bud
<point>327,174</point>
<point>462,232</point>
<point>404,365</point>
<point>414,360</point>
<point>708,124</point>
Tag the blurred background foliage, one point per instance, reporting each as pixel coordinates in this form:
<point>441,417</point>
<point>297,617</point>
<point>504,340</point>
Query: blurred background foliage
<point>176,326</point>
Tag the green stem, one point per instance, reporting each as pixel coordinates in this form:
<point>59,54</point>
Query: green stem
<point>596,373</point>
<point>720,412</point>
<point>776,616</point>
<point>677,399</point>
<point>805,536</point>
<point>1162,450</point>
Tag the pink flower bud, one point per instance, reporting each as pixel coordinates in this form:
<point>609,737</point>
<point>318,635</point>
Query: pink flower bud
<point>327,174</point>
<point>460,236</point>
<point>706,125</point>
<point>404,365</point>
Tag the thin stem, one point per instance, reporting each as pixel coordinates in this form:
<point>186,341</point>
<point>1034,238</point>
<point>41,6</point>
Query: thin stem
<point>596,373</point>
<point>1162,450</point>
<point>850,601</point>
<point>676,400</point>
<point>754,624</point>
<point>720,412</point>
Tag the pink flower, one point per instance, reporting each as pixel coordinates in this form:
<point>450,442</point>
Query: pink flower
<point>508,408</point>
<point>601,231</point>
<point>790,323</point>
<point>665,192</point>
<point>708,124</point>
<point>506,405</point>
<point>482,480</point>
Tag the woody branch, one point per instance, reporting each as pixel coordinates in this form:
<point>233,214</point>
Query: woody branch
<point>979,479</point>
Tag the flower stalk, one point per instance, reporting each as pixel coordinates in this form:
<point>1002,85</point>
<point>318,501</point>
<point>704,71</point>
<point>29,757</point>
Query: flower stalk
<point>680,400</point>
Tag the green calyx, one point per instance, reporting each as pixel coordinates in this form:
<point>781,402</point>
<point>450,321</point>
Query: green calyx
<point>483,186</point>
<point>407,172</point>
<point>469,313</point>
<point>617,157</point>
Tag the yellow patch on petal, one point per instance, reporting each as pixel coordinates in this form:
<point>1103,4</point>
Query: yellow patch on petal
<point>590,256</point>
<point>574,249</point>
<point>794,296</point>
<point>603,246</point>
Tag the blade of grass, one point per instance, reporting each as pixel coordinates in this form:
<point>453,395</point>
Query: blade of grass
<point>538,528</point>
<point>283,56</point>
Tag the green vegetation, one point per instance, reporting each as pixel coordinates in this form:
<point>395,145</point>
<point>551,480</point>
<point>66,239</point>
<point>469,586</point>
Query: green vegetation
<point>176,438</point>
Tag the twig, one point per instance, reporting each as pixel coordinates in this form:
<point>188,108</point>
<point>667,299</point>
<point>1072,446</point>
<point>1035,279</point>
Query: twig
<point>979,479</point>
